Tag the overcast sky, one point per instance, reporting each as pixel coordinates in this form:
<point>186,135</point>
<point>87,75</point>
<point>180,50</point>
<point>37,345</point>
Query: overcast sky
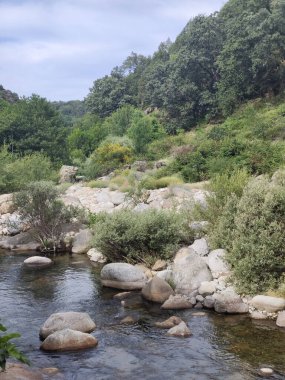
<point>57,48</point>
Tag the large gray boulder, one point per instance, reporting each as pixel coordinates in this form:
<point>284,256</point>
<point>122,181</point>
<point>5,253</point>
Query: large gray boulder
<point>157,290</point>
<point>67,339</point>
<point>217,263</point>
<point>189,271</point>
<point>22,242</point>
<point>200,246</point>
<point>67,320</point>
<point>177,302</point>
<point>123,276</point>
<point>267,303</point>
<point>82,241</point>
<point>38,262</point>
<point>67,174</point>
<point>228,301</point>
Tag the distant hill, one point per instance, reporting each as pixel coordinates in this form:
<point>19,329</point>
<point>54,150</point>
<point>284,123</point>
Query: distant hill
<point>8,95</point>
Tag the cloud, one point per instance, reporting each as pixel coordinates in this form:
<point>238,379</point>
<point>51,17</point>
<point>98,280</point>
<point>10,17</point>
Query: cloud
<point>57,48</point>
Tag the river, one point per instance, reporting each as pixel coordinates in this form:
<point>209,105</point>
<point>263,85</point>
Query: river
<point>221,347</point>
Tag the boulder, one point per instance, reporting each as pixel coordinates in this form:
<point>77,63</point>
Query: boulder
<point>189,271</point>
<point>200,246</point>
<point>18,371</point>
<point>209,302</point>
<point>180,330</point>
<point>169,323</point>
<point>117,197</point>
<point>21,243</point>
<point>38,262</point>
<point>258,315</point>
<point>207,288</point>
<point>67,339</point>
<point>177,302</point>
<point>82,241</point>
<point>165,275</point>
<point>157,290</point>
<point>228,301</point>
<point>281,319</point>
<point>159,265</point>
<point>123,276</point>
<point>6,203</point>
<point>269,304</point>
<point>96,256</point>
<point>67,320</point>
<point>217,264</point>
<point>67,174</point>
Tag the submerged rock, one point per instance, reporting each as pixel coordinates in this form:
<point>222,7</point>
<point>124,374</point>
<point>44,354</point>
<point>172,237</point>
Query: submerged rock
<point>123,276</point>
<point>157,290</point>
<point>180,330</point>
<point>67,320</point>
<point>67,339</point>
<point>17,371</point>
<point>169,323</point>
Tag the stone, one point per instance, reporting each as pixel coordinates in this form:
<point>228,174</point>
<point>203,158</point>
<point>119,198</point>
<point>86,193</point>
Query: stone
<point>6,204</point>
<point>200,246</point>
<point>17,371</point>
<point>122,295</point>
<point>258,315</point>
<point>123,276</point>
<point>189,271</point>
<point>180,330</point>
<point>217,264</point>
<point>267,303</point>
<point>21,243</point>
<point>266,371</point>
<point>198,305</point>
<point>165,275</point>
<point>38,262</point>
<point>183,252</point>
<point>159,265</point>
<point>207,288</point>
<point>169,323</point>
<point>141,207</point>
<point>198,314</point>
<point>67,174</point>
<point>228,301</point>
<point>82,241</point>
<point>177,302</point>
<point>128,320</point>
<point>157,290</point>
<point>67,320</point>
<point>199,226</point>
<point>200,298</point>
<point>209,302</point>
<point>117,197</point>
<point>281,319</point>
<point>67,339</point>
<point>96,256</point>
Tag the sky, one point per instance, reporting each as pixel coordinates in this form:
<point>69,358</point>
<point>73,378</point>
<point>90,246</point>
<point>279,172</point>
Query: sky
<point>57,48</point>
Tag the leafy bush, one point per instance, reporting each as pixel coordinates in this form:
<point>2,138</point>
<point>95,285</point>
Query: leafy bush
<point>140,237</point>
<point>252,230</point>
<point>99,184</point>
<point>17,172</point>
<point>8,349</point>
<point>43,212</point>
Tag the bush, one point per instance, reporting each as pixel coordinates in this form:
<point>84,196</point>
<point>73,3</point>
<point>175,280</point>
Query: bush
<point>98,184</point>
<point>252,230</point>
<point>17,172</point>
<point>141,237</point>
<point>8,349</point>
<point>151,183</point>
<point>43,212</point>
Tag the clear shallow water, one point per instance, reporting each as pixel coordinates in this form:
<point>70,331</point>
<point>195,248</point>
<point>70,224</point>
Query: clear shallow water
<point>222,347</point>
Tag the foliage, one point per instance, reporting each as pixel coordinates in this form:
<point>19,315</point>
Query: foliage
<point>151,183</point>
<point>98,184</point>
<point>8,349</point>
<point>251,228</point>
<point>139,237</point>
<point>106,158</point>
<point>16,172</point>
<point>43,212</point>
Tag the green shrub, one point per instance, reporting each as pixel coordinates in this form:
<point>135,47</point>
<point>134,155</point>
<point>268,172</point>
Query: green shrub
<point>43,212</point>
<point>252,230</point>
<point>99,184</point>
<point>141,237</point>
<point>151,183</point>
<point>8,349</point>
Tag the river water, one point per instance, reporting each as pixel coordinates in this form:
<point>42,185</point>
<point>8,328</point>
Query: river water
<point>221,347</point>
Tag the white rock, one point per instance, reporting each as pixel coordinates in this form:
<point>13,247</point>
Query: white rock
<point>217,263</point>
<point>180,330</point>
<point>200,246</point>
<point>38,261</point>
<point>96,256</point>
<point>123,276</point>
<point>267,303</point>
<point>207,288</point>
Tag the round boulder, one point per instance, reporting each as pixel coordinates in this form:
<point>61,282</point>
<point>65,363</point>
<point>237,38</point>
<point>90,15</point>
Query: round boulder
<point>38,262</point>
<point>67,339</point>
<point>123,276</point>
<point>180,330</point>
<point>67,320</point>
<point>157,290</point>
